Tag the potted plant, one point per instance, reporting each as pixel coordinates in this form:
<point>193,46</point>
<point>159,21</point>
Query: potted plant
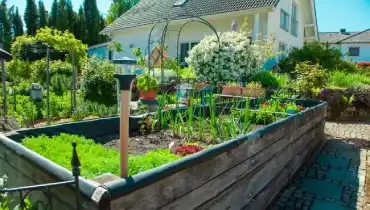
<point>233,89</point>
<point>201,85</point>
<point>252,89</point>
<point>148,87</point>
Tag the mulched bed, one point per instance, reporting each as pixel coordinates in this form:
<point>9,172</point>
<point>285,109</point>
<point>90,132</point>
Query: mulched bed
<point>139,144</point>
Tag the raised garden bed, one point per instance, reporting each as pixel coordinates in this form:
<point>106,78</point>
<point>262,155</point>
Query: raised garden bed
<point>246,171</point>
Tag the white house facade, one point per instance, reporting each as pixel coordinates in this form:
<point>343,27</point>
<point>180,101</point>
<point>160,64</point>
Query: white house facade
<point>291,22</point>
<point>354,46</point>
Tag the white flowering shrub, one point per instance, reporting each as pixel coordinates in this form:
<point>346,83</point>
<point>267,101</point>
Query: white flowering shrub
<point>234,58</point>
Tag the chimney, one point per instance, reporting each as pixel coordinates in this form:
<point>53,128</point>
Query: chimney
<point>342,30</point>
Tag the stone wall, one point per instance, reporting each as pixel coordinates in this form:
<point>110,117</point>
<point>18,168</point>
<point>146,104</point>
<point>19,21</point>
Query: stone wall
<point>340,110</point>
<point>246,173</point>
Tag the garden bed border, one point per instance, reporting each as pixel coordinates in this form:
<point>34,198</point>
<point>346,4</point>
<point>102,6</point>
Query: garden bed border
<point>101,195</point>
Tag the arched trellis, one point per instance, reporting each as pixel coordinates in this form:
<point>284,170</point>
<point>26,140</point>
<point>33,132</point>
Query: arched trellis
<point>164,32</point>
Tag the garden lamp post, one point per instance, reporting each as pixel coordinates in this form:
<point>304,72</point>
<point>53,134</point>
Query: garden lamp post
<point>125,83</point>
<point>4,55</point>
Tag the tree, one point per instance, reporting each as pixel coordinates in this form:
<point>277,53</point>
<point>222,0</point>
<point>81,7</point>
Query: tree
<point>118,7</point>
<point>30,17</point>
<point>54,14</point>
<point>5,27</point>
<point>92,18</point>
<point>102,24</point>
<point>42,15</point>
<point>71,16</point>
<point>80,28</point>
<point>62,22</point>
<point>17,25</point>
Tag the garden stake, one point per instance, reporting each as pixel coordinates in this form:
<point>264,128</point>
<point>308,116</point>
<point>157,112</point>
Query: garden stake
<point>125,83</point>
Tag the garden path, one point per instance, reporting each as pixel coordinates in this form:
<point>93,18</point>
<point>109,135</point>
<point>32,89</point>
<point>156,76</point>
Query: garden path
<point>337,179</point>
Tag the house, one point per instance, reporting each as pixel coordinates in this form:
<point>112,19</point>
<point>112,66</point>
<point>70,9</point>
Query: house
<point>101,50</point>
<point>354,45</point>
<point>291,21</point>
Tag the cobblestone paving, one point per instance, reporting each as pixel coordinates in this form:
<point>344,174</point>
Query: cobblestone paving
<point>336,178</point>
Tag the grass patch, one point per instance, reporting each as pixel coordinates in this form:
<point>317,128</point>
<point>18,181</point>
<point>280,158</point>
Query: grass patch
<point>347,80</point>
<point>95,158</point>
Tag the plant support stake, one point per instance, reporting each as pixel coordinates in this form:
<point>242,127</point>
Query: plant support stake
<point>125,84</point>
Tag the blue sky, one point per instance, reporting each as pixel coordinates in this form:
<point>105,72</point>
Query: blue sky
<point>353,15</point>
<point>332,15</point>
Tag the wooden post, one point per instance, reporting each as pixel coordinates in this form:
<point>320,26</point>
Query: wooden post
<point>125,82</point>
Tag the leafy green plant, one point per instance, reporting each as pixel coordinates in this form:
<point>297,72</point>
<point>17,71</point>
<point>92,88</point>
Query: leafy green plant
<point>314,53</point>
<point>98,83</point>
<point>140,58</point>
<point>147,82</point>
<point>254,85</point>
<point>347,101</point>
<point>344,79</point>
<point>60,84</point>
<point>95,158</point>
<point>311,77</point>
<point>59,106</point>
<point>266,78</point>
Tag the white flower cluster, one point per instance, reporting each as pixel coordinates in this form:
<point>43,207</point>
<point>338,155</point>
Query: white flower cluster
<point>227,62</point>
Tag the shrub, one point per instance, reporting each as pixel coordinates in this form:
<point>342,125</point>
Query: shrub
<point>234,58</point>
<point>315,53</point>
<point>56,68</point>
<point>98,83</point>
<point>347,80</point>
<point>60,84</point>
<point>26,111</point>
<point>18,69</point>
<point>23,88</point>
<point>95,158</point>
<point>87,108</point>
<point>310,78</point>
<point>266,78</point>
<point>60,106</point>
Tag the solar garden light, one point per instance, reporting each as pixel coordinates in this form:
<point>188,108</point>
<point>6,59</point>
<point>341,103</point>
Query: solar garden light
<point>125,83</point>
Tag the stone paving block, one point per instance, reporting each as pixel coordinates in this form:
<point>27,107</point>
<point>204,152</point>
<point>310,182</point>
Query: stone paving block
<point>322,205</point>
<point>333,161</point>
<point>343,176</point>
<point>354,155</point>
<point>322,188</point>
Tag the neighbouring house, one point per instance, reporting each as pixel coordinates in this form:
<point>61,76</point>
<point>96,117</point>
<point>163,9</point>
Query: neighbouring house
<point>353,45</point>
<point>101,50</point>
<point>291,21</point>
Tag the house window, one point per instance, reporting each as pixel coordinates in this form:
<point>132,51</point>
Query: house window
<point>354,51</point>
<point>294,30</point>
<point>284,20</point>
<point>185,48</point>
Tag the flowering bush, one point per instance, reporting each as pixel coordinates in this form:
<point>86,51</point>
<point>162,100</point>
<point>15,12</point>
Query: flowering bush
<point>227,62</point>
<point>188,150</point>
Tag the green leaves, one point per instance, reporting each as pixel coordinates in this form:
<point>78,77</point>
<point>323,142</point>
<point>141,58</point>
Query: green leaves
<point>95,158</point>
<point>146,82</point>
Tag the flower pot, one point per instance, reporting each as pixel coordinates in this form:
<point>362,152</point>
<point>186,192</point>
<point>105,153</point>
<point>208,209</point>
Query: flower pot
<point>201,85</point>
<point>231,90</point>
<point>252,92</point>
<point>148,95</point>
